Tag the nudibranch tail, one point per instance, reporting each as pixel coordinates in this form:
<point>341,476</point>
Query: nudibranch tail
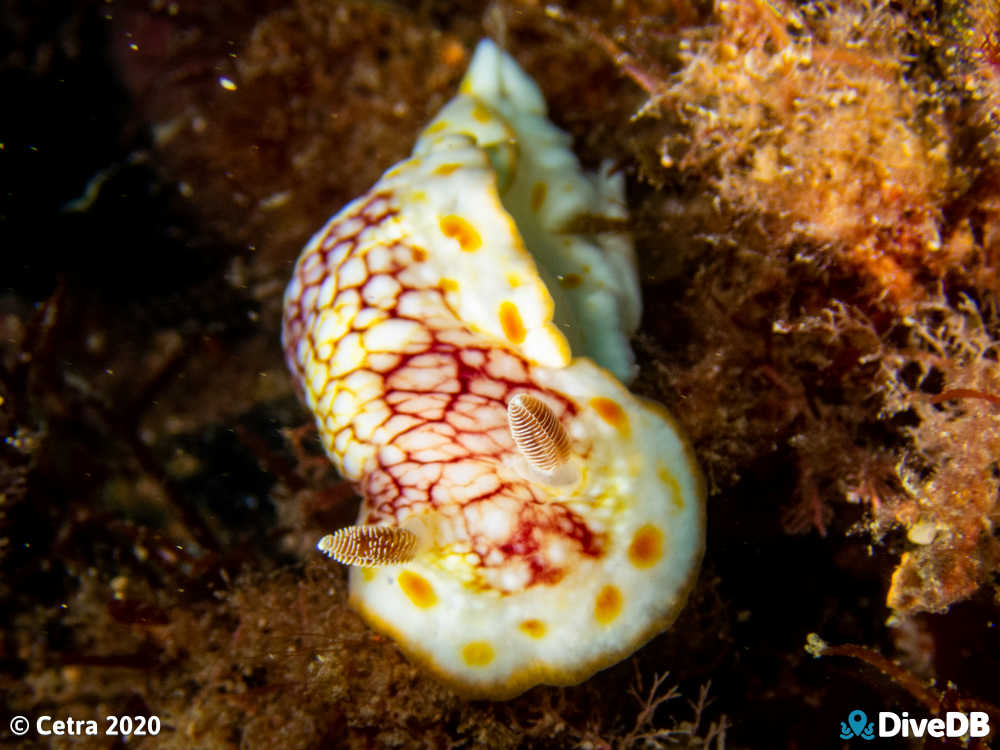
<point>462,342</point>
<point>369,546</point>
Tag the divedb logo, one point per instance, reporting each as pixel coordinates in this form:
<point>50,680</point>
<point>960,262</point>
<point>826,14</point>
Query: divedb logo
<point>890,724</point>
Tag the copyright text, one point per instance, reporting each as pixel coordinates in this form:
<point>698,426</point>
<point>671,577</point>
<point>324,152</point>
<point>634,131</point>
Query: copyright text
<point>110,726</point>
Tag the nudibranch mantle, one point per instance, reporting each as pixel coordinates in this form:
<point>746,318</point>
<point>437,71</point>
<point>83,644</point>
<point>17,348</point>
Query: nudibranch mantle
<point>413,319</point>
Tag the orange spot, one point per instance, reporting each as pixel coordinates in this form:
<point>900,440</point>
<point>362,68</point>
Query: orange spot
<point>419,254</point>
<point>449,285</point>
<point>481,114</point>
<point>647,547</point>
<point>537,196</point>
<point>534,628</point>
<point>608,605</point>
<point>571,280</point>
<point>611,413</point>
<point>510,321</point>
<point>418,589</point>
<point>675,489</point>
<point>459,229</point>
<point>446,169</point>
<point>452,53</point>
<point>477,653</point>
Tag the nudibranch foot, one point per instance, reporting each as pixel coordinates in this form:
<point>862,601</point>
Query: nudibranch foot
<point>462,341</point>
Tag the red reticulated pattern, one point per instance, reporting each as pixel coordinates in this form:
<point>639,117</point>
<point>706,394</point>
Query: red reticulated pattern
<point>432,419</point>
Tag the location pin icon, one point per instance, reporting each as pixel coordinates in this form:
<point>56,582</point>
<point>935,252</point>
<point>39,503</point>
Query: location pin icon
<point>857,719</point>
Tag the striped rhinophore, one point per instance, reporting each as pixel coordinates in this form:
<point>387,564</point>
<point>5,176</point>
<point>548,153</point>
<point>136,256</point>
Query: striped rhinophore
<point>369,546</point>
<point>537,432</point>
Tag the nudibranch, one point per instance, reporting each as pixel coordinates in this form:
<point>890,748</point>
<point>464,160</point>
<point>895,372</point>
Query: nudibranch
<point>462,341</point>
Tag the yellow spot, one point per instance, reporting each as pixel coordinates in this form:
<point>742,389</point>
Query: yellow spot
<point>514,280</point>
<point>571,280</point>
<point>647,547</point>
<point>481,114</point>
<point>368,574</point>
<point>537,196</point>
<point>670,480</point>
<point>477,653</point>
<point>459,229</point>
<point>559,343</point>
<point>534,628</point>
<point>510,321</point>
<point>449,285</point>
<point>608,605</point>
<point>418,195</point>
<point>436,127</point>
<point>447,169</point>
<point>611,413</point>
<point>418,589</point>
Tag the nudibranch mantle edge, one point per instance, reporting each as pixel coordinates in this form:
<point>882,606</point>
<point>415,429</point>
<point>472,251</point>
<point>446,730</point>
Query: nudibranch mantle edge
<point>415,320</point>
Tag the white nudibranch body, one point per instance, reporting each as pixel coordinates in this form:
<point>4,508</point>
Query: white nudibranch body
<point>456,301</point>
